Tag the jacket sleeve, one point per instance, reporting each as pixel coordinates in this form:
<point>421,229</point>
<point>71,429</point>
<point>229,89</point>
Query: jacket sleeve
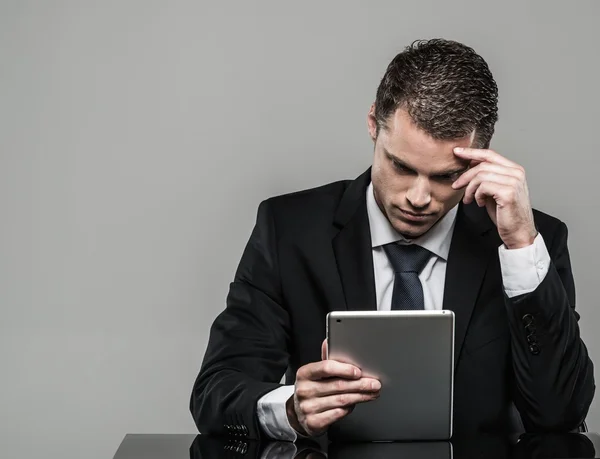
<point>247,352</point>
<point>553,374</point>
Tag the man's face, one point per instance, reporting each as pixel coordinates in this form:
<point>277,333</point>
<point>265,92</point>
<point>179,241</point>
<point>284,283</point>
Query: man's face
<point>412,174</point>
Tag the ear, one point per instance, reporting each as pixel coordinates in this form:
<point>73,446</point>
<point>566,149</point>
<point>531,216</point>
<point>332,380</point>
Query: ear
<point>372,123</point>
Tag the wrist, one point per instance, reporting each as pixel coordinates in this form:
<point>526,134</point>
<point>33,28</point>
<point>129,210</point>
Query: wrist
<point>520,242</point>
<point>293,417</point>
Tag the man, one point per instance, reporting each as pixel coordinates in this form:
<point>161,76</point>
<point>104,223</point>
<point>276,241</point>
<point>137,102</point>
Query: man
<point>437,193</point>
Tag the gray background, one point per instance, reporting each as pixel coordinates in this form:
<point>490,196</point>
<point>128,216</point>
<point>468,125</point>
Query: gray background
<point>137,139</point>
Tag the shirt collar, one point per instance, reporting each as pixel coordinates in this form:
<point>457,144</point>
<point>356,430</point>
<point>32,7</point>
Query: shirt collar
<point>437,240</point>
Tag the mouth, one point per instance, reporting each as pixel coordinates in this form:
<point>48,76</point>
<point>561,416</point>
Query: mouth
<point>415,217</point>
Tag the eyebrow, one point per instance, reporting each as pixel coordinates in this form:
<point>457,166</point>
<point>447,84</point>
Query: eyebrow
<point>436,174</point>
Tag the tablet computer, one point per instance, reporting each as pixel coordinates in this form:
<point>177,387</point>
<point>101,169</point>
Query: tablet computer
<point>412,354</point>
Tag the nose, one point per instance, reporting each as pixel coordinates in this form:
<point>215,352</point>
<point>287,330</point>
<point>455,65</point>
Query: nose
<point>419,193</point>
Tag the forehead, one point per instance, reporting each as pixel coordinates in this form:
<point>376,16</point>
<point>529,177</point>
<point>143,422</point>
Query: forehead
<point>415,147</point>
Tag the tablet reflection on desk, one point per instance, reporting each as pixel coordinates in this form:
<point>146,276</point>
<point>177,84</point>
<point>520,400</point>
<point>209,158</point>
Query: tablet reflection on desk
<point>416,450</point>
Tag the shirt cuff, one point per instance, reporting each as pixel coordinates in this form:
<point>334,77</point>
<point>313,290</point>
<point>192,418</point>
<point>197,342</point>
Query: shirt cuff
<point>524,269</point>
<point>272,414</point>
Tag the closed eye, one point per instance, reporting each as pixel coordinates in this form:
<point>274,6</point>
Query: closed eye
<point>401,168</point>
<point>447,177</point>
<point>451,177</point>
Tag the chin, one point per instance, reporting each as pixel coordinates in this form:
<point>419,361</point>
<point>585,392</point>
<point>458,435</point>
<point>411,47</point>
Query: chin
<point>410,231</point>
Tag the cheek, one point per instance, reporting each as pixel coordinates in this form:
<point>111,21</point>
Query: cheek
<point>382,179</point>
<point>388,191</point>
<point>447,195</point>
<point>394,188</point>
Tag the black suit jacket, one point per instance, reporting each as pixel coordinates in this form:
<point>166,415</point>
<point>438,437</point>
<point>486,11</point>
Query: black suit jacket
<point>310,253</point>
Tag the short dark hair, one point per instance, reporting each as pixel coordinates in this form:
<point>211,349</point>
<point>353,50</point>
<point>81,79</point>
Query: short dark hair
<point>446,87</point>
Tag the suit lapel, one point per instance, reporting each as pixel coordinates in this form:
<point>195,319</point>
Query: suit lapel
<point>352,247</point>
<point>468,259</point>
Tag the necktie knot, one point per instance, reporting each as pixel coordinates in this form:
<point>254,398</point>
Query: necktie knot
<point>407,258</point>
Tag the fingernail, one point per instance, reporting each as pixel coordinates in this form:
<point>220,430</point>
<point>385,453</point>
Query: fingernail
<point>458,150</point>
<point>356,373</point>
<point>375,385</point>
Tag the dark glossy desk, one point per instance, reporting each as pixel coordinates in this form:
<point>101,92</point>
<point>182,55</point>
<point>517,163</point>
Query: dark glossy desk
<point>139,446</point>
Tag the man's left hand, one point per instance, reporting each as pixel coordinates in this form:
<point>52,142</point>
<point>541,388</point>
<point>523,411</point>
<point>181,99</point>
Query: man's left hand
<point>499,185</point>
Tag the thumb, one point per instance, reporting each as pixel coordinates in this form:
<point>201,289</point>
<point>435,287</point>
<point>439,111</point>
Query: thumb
<point>324,350</point>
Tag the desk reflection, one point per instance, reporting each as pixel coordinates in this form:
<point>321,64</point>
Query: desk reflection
<point>534,446</point>
<point>416,450</point>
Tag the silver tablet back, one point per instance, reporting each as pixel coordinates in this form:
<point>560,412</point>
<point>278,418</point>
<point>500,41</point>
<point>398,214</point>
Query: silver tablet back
<point>412,354</point>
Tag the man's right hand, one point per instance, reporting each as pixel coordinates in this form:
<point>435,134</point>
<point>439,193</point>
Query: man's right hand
<point>325,392</point>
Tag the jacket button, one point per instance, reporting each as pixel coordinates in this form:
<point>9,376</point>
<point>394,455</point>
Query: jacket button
<point>528,319</point>
<point>535,349</point>
<point>530,329</point>
<point>531,339</point>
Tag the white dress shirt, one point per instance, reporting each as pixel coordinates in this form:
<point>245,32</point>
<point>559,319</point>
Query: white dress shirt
<point>522,271</point>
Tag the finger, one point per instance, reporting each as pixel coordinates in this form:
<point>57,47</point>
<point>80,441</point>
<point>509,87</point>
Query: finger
<point>307,389</point>
<point>328,369</point>
<point>483,177</point>
<point>500,193</point>
<point>330,402</point>
<point>468,175</point>
<point>320,421</point>
<point>479,154</point>
<point>324,350</point>
<point>323,388</point>
<point>338,386</point>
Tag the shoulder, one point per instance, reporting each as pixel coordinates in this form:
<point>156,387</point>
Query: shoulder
<point>547,222</point>
<point>308,205</point>
<point>553,230</point>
